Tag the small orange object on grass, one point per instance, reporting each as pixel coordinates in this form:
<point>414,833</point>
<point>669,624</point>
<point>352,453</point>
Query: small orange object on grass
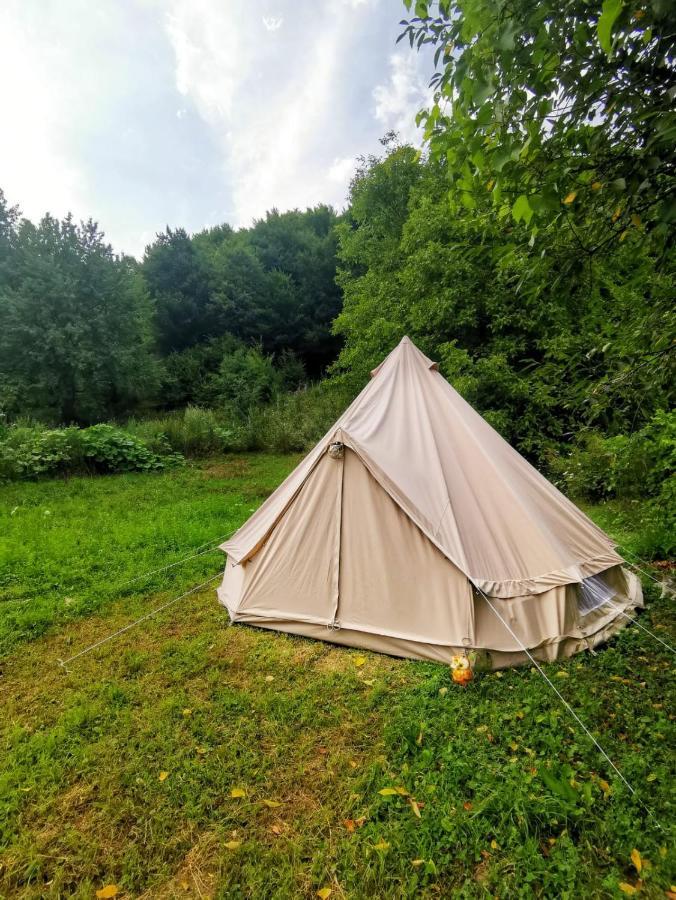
<point>461,670</point>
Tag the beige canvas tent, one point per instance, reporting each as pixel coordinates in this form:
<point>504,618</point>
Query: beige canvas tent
<point>411,512</point>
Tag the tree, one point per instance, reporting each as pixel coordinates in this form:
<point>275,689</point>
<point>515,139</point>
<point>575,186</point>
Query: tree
<point>302,246</point>
<point>543,365</point>
<point>273,283</point>
<point>74,324</point>
<point>178,278</point>
<point>562,111</point>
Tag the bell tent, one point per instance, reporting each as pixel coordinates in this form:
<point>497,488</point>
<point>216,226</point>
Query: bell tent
<point>414,529</point>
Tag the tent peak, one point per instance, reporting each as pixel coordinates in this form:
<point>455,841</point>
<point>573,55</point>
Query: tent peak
<point>406,348</point>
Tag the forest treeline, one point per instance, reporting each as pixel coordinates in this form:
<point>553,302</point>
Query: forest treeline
<point>529,249</point>
<point>86,335</point>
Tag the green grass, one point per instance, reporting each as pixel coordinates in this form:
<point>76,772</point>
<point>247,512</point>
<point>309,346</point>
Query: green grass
<point>513,799</point>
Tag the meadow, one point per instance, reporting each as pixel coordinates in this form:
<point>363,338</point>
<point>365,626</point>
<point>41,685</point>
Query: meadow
<point>188,758</point>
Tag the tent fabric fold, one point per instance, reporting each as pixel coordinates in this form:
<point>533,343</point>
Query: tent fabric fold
<point>426,502</point>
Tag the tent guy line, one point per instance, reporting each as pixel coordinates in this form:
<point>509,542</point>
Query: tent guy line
<point>572,712</point>
<point>657,581</point>
<point>209,549</point>
<point>148,615</point>
<point>642,627</point>
<point>65,662</point>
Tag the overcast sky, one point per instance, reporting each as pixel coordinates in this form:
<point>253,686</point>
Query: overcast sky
<point>146,113</point>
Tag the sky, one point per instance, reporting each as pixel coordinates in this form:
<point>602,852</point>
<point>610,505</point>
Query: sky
<point>148,113</point>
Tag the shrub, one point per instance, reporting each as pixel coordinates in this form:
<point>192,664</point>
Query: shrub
<point>624,466</point>
<point>30,452</point>
<point>629,467</point>
<point>246,379</point>
<point>104,448</point>
<point>294,422</point>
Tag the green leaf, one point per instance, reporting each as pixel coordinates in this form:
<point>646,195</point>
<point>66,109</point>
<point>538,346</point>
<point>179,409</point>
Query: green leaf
<point>610,12</point>
<point>522,209</point>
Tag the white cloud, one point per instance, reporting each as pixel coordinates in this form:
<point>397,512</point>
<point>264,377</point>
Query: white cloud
<point>342,169</point>
<point>192,112</point>
<point>399,99</point>
<point>272,23</point>
<point>36,170</point>
<point>212,53</point>
<point>276,132</point>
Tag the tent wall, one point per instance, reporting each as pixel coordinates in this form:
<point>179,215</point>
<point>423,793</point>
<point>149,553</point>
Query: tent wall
<point>393,581</point>
<point>295,573</point>
<point>345,551</point>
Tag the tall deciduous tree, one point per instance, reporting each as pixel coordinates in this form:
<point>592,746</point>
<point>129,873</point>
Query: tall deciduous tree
<point>562,111</point>
<point>543,364</point>
<point>178,278</point>
<point>74,323</point>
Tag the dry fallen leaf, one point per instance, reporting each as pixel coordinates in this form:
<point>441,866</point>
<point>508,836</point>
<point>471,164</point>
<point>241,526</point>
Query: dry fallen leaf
<point>110,890</point>
<point>238,792</point>
<point>163,777</point>
<point>187,712</point>
<point>185,885</point>
<point>388,792</point>
<point>467,805</point>
<point>272,804</point>
<point>627,888</point>
<point>569,199</point>
<point>495,845</point>
<point>276,829</point>
<point>636,859</point>
<point>233,845</point>
<point>596,186</point>
<point>605,787</point>
<point>417,862</point>
<point>353,764</point>
<point>359,660</point>
<point>381,845</point>
<point>562,674</point>
<point>269,678</point>
<point>349,824</point>
<point>414,807</point>
<point>324,893</point>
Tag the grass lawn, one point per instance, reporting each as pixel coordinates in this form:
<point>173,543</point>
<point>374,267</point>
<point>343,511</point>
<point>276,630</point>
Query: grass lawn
<point>187,758</point>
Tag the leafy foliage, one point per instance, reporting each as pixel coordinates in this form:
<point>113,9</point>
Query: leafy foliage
<point>588,349</point>
<point>562,113</point>
<point>74,323</point>
<point>272,284</point>
<point>28,452</point>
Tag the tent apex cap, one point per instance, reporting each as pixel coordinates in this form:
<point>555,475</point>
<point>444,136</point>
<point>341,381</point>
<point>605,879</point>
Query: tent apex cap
<point>405,346</point>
